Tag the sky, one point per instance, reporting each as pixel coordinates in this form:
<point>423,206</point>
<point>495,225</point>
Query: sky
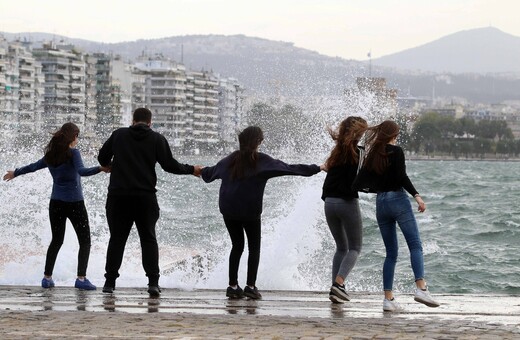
<point>345,28</point>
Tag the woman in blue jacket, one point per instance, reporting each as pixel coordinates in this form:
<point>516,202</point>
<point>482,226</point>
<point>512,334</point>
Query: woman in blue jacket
<point>66,166</point>
<point>244,174</point>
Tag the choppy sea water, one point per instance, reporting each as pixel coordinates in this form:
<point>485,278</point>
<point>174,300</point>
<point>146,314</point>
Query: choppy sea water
<point>470,231</point>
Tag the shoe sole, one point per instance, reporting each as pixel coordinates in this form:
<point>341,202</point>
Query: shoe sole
<point>254,297</point>
<point>427,303</point>
<point>392,310</point>
<point>340,294</point>
<point>154,293</point>
<point>335,299</point>
<point>108,290</point>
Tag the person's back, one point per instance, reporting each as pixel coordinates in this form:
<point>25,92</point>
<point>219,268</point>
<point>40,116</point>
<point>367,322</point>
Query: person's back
<point>134,157</point>
<point>133,153</point>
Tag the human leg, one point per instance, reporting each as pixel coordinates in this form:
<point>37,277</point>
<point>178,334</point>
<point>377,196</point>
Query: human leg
<point>58,219</point>
<point>408,225</point>
<point>254,237</point>
<point>145,222</point>
<point>338,233</point>
<point>78,216</point>
<point>350,216</point>
<point>236,233</point>
<point>387,228</point>
<point>120,220</point>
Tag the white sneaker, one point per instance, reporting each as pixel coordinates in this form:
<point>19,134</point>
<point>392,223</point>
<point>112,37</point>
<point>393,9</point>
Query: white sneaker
<point>391,305</point>
<point>423,296</point>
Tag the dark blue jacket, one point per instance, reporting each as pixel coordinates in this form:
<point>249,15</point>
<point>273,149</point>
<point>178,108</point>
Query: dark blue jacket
<point>242,198</point>
<point>66,184</point>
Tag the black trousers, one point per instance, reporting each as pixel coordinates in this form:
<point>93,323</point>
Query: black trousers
<point>236,230</point>
<point>122,213</point>
<point>76,212</point>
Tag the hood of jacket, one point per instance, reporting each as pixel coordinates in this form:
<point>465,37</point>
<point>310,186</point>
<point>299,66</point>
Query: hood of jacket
<point>140,131</point>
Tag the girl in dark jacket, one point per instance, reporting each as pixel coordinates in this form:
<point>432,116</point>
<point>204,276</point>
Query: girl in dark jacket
<point>244,174</point>
<point>341,203</point>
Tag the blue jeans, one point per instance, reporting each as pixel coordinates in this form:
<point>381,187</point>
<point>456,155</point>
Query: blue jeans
<point>392,207</point>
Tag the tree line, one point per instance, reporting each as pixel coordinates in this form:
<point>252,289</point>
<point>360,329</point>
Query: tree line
<point>433,133</point>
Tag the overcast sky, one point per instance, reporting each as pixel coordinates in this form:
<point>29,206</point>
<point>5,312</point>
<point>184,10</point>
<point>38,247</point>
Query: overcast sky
<point>345,28</point>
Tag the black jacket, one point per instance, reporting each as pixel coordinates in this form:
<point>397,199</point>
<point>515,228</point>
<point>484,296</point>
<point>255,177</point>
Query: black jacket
<point>394,177</point>
<point>133,153</point>
<point>242,198</point>
<point>338,182</point>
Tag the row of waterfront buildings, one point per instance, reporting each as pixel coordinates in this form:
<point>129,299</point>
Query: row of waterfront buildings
<point>42,87</point>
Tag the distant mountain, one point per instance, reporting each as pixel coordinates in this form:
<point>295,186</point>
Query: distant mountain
<point>481,50</point>
<point>272,68</point>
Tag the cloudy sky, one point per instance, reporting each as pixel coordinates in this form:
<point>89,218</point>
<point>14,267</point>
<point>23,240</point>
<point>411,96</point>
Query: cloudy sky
<point>344,28</point>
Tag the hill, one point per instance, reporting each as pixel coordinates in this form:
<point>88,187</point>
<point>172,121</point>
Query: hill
<point>274,68</point>
<point>481,50</point>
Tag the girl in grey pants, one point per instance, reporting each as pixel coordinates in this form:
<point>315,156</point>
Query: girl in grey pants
<point>341,203</point>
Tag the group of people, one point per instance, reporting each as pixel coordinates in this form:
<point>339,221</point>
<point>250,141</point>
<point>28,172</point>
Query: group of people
<point>377,167</point>
<point>130,155</point>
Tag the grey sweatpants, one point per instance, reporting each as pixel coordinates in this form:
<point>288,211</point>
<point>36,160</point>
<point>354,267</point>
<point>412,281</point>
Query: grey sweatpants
<point>344,220</point>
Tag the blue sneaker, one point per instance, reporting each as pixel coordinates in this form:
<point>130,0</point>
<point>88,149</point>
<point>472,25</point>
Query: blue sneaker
<point>47,283</point>
<point>85,284</point>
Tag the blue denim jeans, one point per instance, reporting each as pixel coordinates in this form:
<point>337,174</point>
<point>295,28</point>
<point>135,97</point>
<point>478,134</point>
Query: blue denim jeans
<point>392,207</point>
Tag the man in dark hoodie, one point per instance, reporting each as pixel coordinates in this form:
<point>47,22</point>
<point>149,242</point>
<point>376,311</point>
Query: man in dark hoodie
<point>132,153</point>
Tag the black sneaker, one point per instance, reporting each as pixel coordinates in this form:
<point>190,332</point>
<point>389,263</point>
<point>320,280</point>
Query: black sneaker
<point>339,291</point>
<point>252,293</point>
<point>109,286</point>
<point>235,293</point>
<point>335,299</point>
<point>154,291</point>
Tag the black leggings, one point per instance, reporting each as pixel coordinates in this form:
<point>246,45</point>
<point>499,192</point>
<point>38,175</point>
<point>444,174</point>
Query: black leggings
<point>236,232</point>
<point>76,212</point>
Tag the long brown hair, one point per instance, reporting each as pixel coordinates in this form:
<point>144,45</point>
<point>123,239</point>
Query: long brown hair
<point>346,136</point>
<point>376,139</point>
<point>245,158</point>
<point>58,151</point>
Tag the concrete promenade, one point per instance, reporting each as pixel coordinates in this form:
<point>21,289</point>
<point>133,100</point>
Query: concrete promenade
<point>67,313</point>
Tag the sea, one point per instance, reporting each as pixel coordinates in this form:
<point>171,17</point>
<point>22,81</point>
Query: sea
<point>470,230</point>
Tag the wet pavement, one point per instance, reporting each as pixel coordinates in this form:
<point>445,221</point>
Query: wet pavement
<point>26,311</point>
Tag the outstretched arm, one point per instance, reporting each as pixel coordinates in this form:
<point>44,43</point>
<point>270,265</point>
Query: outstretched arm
<point>80,168</point>
<point>40,164</point>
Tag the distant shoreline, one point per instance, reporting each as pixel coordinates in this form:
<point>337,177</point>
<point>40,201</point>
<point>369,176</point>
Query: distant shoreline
<point>461,159</point>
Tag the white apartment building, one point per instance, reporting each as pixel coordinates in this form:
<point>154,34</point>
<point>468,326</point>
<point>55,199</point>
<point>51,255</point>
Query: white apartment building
<point>64,98</point>
<point>203,91</point>
<point>90,96</point>
<point>9,95</point>
<point>21,89</point>
<point>231,101</point>
<point>113,92</point>
<point>165,95</point>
